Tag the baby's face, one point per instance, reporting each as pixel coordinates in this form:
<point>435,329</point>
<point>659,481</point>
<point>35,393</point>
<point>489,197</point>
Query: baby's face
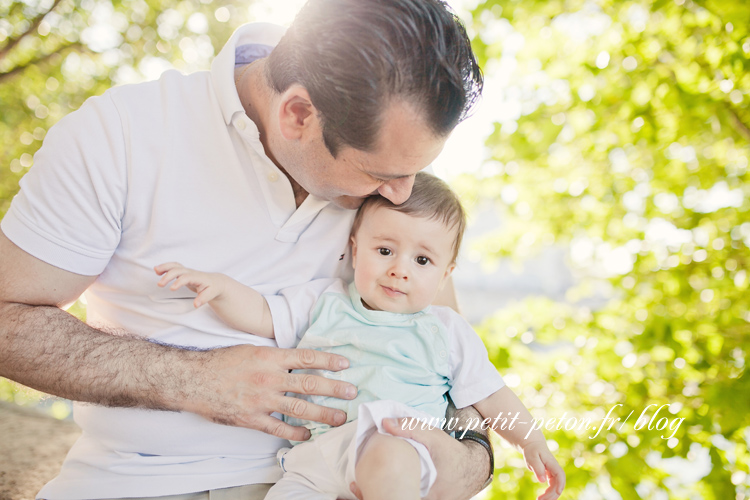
<point>401,261</point>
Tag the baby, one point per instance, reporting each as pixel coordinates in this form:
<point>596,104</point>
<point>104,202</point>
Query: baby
<point>404,353</point>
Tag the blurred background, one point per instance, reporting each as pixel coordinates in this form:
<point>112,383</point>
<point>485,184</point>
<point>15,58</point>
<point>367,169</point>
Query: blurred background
<point>606,174</point>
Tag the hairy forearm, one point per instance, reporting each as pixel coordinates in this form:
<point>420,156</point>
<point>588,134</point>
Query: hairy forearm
<point>478,465</point>
<point>48,349</point>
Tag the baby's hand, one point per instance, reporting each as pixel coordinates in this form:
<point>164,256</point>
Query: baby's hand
<point>540,461</point>
<point>208,286</point>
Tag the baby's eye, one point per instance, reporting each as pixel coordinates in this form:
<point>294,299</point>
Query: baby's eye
<point>422,260</point>
<point>384,251</point>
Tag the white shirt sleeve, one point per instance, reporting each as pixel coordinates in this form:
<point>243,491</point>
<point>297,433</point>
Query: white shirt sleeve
<point>291,308</point>
<point>68,212</point>
<point>474,378</point>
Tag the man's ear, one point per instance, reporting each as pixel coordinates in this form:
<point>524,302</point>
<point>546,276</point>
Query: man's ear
<point>297,115</point>
<point>354,252</point>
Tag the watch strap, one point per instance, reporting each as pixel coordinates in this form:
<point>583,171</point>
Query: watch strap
<point>483,440</point>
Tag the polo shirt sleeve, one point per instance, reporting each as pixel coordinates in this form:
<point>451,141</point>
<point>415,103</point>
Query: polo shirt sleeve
<point>68,212</point>
<point>291,308</point>
<point>474,378</point>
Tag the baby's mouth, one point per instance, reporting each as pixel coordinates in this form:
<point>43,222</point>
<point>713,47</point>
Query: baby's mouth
<point>392,292</point>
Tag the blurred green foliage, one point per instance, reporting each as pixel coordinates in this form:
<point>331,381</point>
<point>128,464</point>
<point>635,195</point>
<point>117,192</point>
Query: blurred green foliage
<point>56,53</point>
<point>623,136</point>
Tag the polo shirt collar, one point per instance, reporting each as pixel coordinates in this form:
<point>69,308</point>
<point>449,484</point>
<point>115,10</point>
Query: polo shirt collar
<point>263,35</point>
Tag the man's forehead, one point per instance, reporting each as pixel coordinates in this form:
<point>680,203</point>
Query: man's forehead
<point>386,165</point>
<point>391,162</point>
<point>405,141</point>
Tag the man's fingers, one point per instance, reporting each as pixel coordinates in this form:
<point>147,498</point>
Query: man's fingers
<point>289,359</point>
<point>260,378</point>
<point>276,427</point>
<point>406,428</point>
<point>309,359</point>
<point>302,383</point>
<point>304,410</point>
<point>397,427</point>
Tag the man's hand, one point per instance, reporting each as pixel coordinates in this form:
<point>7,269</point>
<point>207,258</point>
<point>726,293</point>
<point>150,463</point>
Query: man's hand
<point>243,385</point>
<point>460,474</point>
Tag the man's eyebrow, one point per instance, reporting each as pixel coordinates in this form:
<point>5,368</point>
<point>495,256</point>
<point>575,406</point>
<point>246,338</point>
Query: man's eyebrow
<point>389,177</point>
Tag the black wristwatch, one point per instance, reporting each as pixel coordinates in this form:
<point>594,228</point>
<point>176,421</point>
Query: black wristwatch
<point>480,438</point>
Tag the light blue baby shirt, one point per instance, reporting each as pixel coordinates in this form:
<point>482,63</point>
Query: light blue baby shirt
<point>401,357</point>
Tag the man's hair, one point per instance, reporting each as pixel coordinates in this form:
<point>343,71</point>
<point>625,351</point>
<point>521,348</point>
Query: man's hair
<point>431,198</point>
<point>354,57</point>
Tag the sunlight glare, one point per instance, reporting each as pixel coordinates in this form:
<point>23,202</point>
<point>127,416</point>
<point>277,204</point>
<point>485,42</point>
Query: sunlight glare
<point>279,12</point>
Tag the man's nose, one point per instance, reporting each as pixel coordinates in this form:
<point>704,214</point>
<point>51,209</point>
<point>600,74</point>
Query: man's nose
<point>397,190</point>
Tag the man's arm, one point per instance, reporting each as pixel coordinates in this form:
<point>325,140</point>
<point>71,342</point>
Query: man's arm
<point>46,348</point>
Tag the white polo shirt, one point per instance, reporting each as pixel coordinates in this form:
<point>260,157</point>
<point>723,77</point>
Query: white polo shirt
<point>171,170</point>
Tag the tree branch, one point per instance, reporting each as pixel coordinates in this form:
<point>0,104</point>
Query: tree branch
<point>38,60</point>
<point>34,25</point>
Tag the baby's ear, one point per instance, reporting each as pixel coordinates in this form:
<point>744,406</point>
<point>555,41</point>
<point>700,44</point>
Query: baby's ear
<point>353,243</point>
<point>448,272</point>
<point>450,269</point>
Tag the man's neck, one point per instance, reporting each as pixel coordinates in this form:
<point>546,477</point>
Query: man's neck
<point>255,96</point>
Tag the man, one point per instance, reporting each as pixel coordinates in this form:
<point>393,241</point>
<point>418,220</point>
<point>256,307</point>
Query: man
<point>252,171</point>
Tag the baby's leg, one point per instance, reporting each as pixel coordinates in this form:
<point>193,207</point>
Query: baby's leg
<point>388,468</point>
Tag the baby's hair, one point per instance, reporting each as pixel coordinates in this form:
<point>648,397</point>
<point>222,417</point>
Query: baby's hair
<point>430,198</point>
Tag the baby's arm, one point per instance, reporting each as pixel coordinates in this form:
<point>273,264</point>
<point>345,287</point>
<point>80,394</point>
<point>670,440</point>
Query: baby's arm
<point>239,306</point>
<point>521,434</point>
